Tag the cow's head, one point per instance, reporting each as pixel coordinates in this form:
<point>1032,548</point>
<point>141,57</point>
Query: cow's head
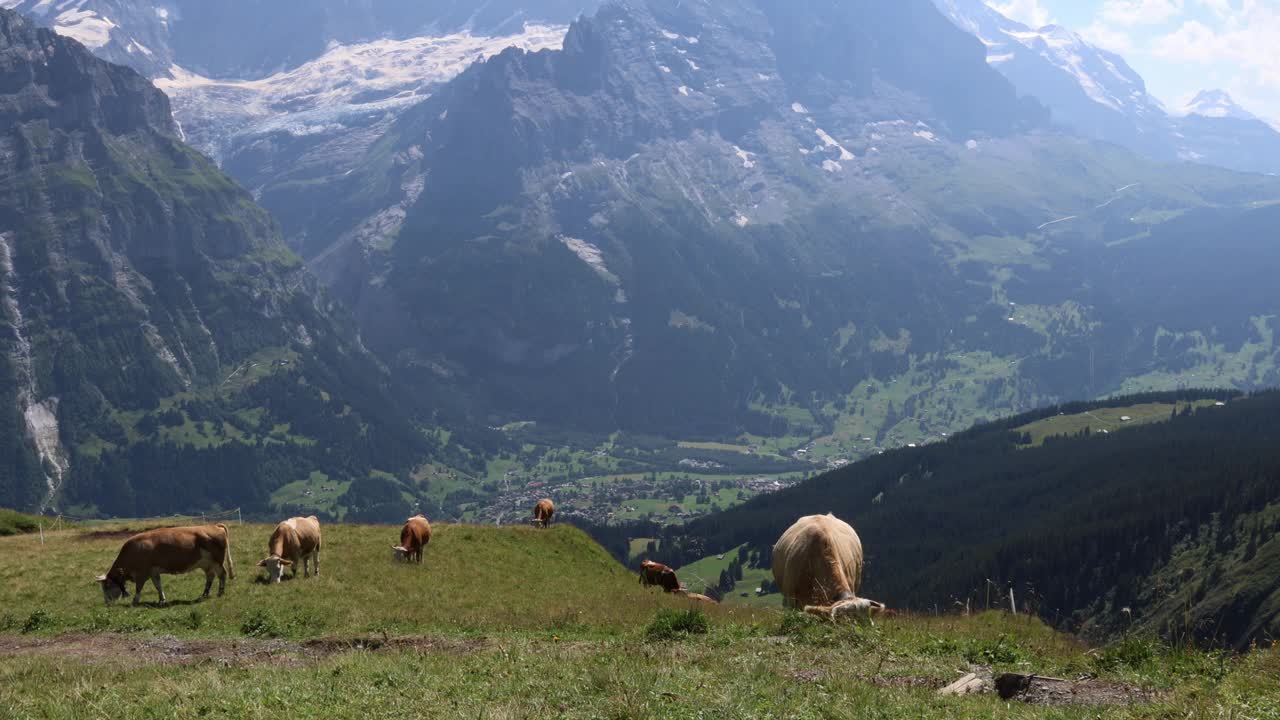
<point>399,553</point>
<point>275,567</point>
<point>856,609</point>
<point>112,587</point>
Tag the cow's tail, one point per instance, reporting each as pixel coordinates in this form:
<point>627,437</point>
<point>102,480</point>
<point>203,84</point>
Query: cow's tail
<point>229,563</point>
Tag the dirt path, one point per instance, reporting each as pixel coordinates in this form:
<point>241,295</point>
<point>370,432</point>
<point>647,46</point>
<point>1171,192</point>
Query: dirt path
<point>136,651</point>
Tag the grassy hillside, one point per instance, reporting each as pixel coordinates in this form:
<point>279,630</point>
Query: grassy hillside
<point>514,623</point>
<point>474,580</point>
<point>16,523</point>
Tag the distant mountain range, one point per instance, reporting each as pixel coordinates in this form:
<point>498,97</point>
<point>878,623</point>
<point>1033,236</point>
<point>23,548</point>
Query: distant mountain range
<point>711,221</point>
<point>1095,92</point>
<point>708,219</point>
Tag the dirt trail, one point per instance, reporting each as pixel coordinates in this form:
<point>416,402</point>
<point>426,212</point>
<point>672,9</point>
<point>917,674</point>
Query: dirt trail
<point>136,651</point>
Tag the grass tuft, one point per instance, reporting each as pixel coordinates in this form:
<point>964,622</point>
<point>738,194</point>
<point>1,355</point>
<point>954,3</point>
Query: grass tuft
<point>669,624</point>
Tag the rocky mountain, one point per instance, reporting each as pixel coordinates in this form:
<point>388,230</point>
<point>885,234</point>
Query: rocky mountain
<point>1217,104</point>
<point>1219,131</point>
<point>288,93</point>
<point>708,219</point>
<point>1095,92</point>
<point>162,349</point>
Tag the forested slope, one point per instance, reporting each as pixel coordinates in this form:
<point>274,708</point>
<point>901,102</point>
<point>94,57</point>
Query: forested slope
<point>1175,521</point>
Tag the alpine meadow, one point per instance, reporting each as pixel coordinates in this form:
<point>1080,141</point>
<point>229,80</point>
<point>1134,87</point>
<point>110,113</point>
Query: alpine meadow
<point>639,359</point>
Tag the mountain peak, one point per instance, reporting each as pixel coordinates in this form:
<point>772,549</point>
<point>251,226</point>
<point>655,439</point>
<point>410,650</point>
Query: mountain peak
<point>1217,104</point>
<point>62,80</point>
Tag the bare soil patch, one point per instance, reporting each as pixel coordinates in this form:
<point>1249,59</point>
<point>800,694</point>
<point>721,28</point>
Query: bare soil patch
<point>1053,691</point>
<point>117,534</point>
<point>133,651</point>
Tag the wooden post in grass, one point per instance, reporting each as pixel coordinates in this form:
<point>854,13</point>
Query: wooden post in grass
<point>1013,606</point>
<point>41,524</point>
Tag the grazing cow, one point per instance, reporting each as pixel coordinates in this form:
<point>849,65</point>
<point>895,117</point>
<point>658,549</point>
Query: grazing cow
<point>543,511</point>
<point>817,564</point>
<point>414,537</point>
<point>653,573</point>
<point>296,540</point>
<point>169,551</point>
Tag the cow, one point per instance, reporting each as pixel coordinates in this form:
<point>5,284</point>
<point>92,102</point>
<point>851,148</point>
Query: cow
<point>817,565</point>
<point>653,573</point>
<point>543,511</point>
<point>294,541</point>
<point>414,537</point>
<point>169,551</point>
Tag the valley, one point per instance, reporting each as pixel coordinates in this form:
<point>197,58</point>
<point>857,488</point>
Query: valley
<point>693,270</point>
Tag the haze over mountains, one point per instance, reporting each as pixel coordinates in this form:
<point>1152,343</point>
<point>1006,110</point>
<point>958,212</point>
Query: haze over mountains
<point>747,221</point>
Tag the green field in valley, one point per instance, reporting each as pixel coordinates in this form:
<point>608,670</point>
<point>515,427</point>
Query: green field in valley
<point>1106,420</point>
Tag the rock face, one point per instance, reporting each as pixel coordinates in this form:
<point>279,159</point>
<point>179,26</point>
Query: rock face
<point>132,273</point>
<point>283,94</point>
<point>1096,93</point>
<point>695,213</point>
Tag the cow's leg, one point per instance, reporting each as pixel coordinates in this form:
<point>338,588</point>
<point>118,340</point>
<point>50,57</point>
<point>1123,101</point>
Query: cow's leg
<point>315,563</point>
<point>138,584</point>
<point>208,583</point>
<point>155,580</point>
<point>222,580</point>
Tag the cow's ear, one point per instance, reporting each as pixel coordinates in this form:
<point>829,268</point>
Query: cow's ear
<point>262,563</point>
<point>286,563</point>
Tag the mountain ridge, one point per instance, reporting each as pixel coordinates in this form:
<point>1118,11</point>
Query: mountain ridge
<point>685,181</point>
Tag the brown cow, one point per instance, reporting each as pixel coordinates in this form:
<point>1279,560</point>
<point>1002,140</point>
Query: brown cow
<point>414,537</point>
<point>654,573</point>
<point>543,511</point>
<point>817,564</point>
<point>296,540</point>
<point>170,551</point>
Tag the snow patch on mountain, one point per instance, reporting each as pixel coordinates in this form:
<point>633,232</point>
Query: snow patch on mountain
<point>1217,104</point>
<point>831,143</point>
<point>591,255</point>
<point>346,81</point>
<point>72,19</point>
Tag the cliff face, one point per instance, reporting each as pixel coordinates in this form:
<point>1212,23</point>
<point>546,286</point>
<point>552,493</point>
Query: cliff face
<point>132,272</point>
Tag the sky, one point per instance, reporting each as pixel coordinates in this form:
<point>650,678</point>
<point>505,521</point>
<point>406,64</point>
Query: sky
<point>1179,46</point>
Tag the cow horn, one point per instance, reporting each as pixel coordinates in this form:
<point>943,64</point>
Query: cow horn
<point>100,579</point>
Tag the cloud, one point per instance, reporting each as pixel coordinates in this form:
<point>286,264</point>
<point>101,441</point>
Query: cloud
<point>1193,42</point>
<point>1221,8</point>
<point>1109,38</point>
<point>1241,45</point>
<point>1130,13</point>
<point>1027,12</point>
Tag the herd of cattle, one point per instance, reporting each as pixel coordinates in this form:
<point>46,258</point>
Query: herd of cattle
<point>817,563</point>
